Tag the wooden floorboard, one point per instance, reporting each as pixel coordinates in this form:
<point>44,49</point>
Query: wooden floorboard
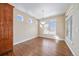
<point>41,47</point>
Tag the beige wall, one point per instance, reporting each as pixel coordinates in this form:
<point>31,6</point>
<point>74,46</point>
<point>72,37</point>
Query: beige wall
<point>74,45</point>
<point>24,31</point>
<point>60,27</point>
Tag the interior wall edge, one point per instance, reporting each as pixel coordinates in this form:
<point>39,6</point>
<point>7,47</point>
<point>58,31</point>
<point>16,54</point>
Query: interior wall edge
<point>70,48</point>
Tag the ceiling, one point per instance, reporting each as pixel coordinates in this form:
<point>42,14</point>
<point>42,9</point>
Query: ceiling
<point>42,10</point>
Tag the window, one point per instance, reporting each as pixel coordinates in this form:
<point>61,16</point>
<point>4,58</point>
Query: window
<point>49,27</point>
<point>19,18</point>
<point>30,20</point>
<point>69,28</point>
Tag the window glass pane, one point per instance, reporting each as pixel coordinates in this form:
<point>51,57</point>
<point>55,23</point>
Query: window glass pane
<point>48,27</point>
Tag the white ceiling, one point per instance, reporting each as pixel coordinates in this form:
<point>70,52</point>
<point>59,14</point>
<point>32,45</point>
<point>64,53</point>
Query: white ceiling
<point>41,10</point>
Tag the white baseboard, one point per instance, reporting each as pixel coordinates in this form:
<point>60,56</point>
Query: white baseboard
<point>25,40</point>
<point>70,48</point>
<point>52,37</point>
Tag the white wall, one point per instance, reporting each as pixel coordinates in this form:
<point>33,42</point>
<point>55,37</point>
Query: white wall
<point>24,31</point>
<point>74,11</point>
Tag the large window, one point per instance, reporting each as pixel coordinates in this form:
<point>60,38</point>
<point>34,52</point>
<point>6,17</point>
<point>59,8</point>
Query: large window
<point>48,27</point>
<point>69,28</point>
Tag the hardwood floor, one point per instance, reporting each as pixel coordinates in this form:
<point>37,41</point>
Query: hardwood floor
<point>42,47</point>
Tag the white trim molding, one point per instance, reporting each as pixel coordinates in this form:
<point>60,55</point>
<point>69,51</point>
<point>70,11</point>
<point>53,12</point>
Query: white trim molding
<point>70,48</point>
